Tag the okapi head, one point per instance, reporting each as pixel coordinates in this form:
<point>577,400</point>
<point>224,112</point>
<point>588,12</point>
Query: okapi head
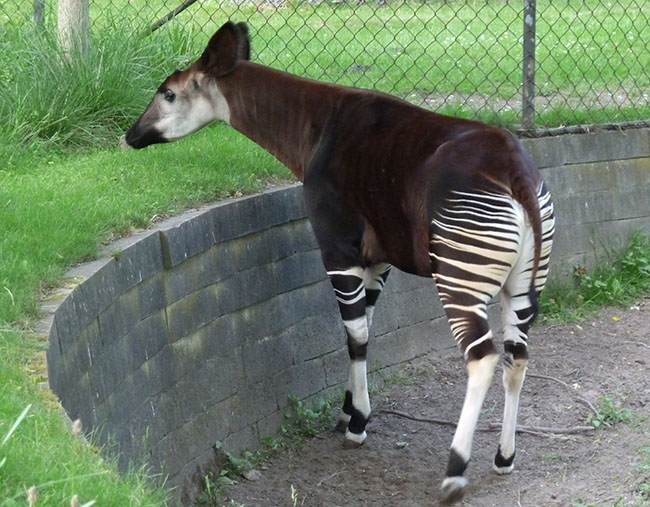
<point>190,99</point>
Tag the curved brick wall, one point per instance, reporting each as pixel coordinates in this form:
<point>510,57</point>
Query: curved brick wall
<point>199,330</point>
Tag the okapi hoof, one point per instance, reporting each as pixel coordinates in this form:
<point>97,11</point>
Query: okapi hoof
<point>353,440</point>
<point>453,489</point>
<point>501,465</point>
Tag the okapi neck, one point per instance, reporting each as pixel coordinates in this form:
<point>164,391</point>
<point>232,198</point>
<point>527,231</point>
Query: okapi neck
<point>283,113</point>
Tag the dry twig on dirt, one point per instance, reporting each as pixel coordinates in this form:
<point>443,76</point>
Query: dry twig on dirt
<point>640,344</point>
<point>531,430</point>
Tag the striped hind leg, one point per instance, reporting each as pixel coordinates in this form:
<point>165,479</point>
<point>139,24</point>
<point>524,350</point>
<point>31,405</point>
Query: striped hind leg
<point>466,309</point>
<point>518,310</point>
<point>475,241</point>
<point>471,331</point>
<point>357,290</point>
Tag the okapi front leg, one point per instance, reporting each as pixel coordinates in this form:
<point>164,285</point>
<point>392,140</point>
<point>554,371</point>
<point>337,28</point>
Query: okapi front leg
<point>351,295</point>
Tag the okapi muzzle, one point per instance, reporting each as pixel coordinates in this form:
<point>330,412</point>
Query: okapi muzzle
<point>145,130</point>
<point>140,137</point>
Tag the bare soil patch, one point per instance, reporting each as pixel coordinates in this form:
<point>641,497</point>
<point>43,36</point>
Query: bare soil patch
<point>403,461</point>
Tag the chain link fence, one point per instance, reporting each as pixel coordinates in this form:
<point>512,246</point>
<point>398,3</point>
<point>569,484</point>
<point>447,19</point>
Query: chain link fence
<point>587,62</point>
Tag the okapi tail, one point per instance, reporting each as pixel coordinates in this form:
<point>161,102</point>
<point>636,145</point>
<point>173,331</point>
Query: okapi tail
<point>525,183</point>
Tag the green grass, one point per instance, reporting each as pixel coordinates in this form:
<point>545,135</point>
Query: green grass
<point>42,451</point>
<point>618,279</point>
<point>609,413</point>
<point>54,213</point>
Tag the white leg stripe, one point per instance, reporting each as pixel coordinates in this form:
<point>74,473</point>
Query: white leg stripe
<point>358,385</point>
<point>357,329</point>
<point>356,271</point>
<point>486,336</point>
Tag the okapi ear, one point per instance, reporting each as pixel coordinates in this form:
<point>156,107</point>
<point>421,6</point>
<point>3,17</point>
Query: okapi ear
<point>220,56</point>
<point>244,42</point>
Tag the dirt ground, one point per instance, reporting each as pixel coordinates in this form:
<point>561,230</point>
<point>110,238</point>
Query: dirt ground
<point>402,461</point>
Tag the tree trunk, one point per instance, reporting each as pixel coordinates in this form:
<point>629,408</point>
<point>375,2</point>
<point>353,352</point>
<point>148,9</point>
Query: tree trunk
<point>72,26</point>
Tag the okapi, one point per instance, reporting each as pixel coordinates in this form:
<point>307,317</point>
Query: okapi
<point>386,184</point>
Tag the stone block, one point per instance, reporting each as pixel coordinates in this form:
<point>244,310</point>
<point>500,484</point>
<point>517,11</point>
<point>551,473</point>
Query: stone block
<point>152,295</point>
<point>85,350</point>
<point>631,174</point>
<point>273,244</point>
<point>269,426</point>
<point>181,281</point>
<point>187,239</point>
<point>579,179</point>
<point>71,317</point>
<point>257,401</point>
<point>246,438</point>
<point>97,287</point>
<point>275,315</point>
<point>165,455</point>
<point>159,373</point>
<point>336,365</point>
<point>632,203</point>
<point>110,373</point>
<point>386,316</point>
<point>77,401</point>
<point>267,356</point>
<point>599,146</point>
<point>145,340</point>
<point>317,335</point>
<point>250,214</point>
<point>399,282</point>
<point>222,418</point>
<point>224,336</point>
<point>119,318</point>
<point>53,358</point>
<point>301,380</point>
<point>297,271</point>
<point>546,151</point>
<point>194,311</point>
<point>585,209</point>
<point>138,261</point>
<point>407,343</point>
<point>416,305</point>
<point>248,288</point>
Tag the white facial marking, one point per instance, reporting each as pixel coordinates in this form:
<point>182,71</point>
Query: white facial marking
<point>197,102</point>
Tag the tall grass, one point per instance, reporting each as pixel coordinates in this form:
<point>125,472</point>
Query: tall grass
<point>50,99</point>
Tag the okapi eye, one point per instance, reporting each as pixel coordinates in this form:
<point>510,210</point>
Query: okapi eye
<point>170,96</point>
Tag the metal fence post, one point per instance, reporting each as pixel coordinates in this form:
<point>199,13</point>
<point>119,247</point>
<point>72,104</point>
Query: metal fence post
<point>39,7</point>
<point>528,67</point>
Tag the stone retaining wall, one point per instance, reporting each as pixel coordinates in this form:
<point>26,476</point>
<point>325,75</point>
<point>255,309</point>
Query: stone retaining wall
<point>199,330</point>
